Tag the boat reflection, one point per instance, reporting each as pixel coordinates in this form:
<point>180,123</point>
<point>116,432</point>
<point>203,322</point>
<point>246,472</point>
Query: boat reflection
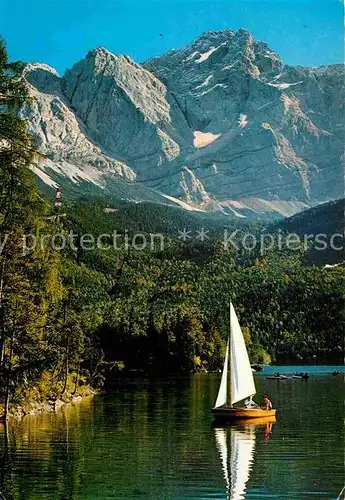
<point>236,471</point>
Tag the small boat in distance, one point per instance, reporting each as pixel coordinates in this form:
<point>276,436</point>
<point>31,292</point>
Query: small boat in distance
<point>239,385</point>
<point>277,376</point>
<point>257,368</point>
<point>302,376</point>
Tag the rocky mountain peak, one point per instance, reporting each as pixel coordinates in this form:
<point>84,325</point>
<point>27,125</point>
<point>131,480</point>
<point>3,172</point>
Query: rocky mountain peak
<point>226,54</point>
<point>100,50</point>
<point>208,38</point>
<point>43,77</point>
<point>220,119</point>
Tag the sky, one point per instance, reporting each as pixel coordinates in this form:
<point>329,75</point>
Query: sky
<point>61,32</point>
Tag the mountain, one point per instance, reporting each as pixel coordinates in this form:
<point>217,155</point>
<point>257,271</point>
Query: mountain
<point>221,124</point>
<point>324,223</point>
<point>327,218</point>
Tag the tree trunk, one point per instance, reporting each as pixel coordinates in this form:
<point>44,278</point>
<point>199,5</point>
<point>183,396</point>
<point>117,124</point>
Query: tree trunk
<point>8,378</point>
<point>4,462</point>
<point>77,379</point>
<point>66,367</point>
<point>2,313</point>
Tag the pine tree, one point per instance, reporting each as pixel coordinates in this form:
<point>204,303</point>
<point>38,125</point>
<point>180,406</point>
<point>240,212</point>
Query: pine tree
<point>29,280</point>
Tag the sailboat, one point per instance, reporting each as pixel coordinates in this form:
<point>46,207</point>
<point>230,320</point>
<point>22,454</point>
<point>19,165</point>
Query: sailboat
<point>239,384</point>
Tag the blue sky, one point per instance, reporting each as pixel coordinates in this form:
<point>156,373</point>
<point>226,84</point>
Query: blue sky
<point>60,32</point>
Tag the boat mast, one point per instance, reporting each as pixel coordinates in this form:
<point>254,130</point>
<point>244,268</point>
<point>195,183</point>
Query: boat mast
<point>229,365</point>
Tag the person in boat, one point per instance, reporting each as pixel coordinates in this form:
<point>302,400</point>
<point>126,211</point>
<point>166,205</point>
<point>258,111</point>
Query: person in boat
<point>268,402</point>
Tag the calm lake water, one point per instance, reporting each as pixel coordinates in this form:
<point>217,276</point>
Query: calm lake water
<point>154,440</point>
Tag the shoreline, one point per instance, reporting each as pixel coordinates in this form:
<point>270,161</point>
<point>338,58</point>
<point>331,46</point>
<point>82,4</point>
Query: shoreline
<point>33,408</point>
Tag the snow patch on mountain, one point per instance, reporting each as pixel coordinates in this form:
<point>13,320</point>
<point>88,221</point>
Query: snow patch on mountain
<point>191,56</point>
<point>202,139</point>
<point>230,66</point>
<point>206,55</point>
<point>243,120</point>
<point>205,82</point>
<point>218,85</point>
<point>283,86</point>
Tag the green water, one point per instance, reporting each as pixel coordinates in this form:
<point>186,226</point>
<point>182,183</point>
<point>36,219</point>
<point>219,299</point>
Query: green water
<point>154,440</point>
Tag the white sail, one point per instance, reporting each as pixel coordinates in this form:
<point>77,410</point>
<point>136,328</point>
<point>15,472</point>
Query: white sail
<point>242,382</point>
<point>221,441</point>
<point>223,388</point>
<point>242,455</point>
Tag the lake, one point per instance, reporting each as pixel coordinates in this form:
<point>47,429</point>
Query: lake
<point>154,439</point>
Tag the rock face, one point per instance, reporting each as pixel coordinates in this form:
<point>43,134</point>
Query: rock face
<point>222,119</point>
<point>62,136</point>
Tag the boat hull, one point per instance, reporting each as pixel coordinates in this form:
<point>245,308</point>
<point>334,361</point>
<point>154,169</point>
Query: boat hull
<point>241,413</point>
<point>254,421</point>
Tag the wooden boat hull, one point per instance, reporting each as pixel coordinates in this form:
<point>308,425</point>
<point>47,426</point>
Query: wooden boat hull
<point>256,421</point>
<point>243,422</point>
<point>241,413</point>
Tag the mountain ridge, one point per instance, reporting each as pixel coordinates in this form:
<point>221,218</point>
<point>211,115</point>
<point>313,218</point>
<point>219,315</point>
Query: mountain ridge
<point>217,121</point>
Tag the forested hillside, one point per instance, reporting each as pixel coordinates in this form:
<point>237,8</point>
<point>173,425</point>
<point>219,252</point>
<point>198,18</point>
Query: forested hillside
<point>327,221</point>
<point>326,218</point>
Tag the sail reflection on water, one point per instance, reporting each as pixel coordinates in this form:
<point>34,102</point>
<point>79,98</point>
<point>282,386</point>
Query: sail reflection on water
<point>241,462</point>
<point>236,471</point>
<point>222,445</point>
